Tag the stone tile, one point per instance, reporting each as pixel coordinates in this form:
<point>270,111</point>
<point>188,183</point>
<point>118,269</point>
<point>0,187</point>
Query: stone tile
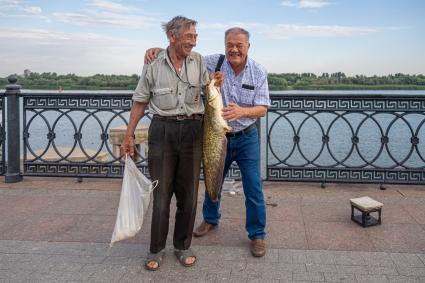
<point>236,267</point>
<point>256,280</point>
<point>230,232</point>
<point>396,213</point>
<point>300,256</point>
<point>405,279</point>
<point>23,257</point>
<point>285,256</point>
<point>411,271</point>
<point>371,278</point>
<point>348,258</point>
<point>41,227</point>
<point>88,228</point>
<point>56,259</point>
<point>335,250</point>
<point>339,276</point>
<point>398,237</point>
<point>320,257</point>
<point>284,234</point>
<point>337,211</point>
<point>407,260</point>
<point>75,276</point>
<point>325,268</point>
<point>377,259</point>
<point>272,255</point>
<point>45,276</point>
<point>384,270</point>
<point>29,205</point>
<point>284,211</point>
<point>352,269</point>
<point>99,205</point>
<point>15,273</point>
<point>417,212</point>
<point>230,279</point>
<point>337,236</point>
<point>308,276</point>
<point>422,257</point>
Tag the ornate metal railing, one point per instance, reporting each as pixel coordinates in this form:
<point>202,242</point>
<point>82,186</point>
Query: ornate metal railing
<point>72,134</point>
<point>78,134</point>
<point>309,136</point>
<point>346,138</point>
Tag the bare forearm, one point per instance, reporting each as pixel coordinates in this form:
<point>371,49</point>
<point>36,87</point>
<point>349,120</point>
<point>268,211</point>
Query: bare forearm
<point>137,111</point>
<point>255,112</point>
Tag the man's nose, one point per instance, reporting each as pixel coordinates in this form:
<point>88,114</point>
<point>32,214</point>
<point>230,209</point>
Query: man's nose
<point>234,49</point>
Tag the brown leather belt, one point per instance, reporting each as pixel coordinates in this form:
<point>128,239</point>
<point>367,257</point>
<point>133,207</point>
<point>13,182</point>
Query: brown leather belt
<point>244,131</point>
<point>180,117</point>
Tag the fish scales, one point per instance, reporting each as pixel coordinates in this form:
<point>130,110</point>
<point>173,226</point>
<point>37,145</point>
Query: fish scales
<point>214,141</point>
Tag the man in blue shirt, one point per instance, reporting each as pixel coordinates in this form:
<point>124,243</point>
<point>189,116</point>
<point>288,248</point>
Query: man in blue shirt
<point>246,98</point>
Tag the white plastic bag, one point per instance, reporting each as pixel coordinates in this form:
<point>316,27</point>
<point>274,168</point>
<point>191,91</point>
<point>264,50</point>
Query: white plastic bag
<point>134,202</point>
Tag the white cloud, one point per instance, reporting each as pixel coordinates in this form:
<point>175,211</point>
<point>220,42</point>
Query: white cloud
<point>19,9</point>
<point>111,6</point>
<point>32,10</point>
<point>285,31</point>
<point>96,13</point>
<point>83,53</point>
<point>89,17</point>
<point>9,3</point>
<point>46,37</point>
<point>107,13</point>
<point>308,4</point>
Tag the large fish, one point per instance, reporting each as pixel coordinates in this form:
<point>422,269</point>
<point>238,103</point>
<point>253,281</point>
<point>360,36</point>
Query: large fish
<point>215,141</point>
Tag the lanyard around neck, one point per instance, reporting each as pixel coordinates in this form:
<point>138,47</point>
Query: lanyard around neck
<point>174,68</point>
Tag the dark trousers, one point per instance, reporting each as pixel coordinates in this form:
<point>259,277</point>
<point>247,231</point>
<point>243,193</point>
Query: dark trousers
<point>174,159</point>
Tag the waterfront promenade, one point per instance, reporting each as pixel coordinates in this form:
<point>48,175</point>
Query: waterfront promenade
<point>58,230</point>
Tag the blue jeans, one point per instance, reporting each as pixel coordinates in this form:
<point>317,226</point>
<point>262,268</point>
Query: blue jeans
<point>245,150</point>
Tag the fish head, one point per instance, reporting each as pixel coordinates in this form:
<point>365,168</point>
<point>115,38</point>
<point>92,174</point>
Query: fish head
<point>213,90</point>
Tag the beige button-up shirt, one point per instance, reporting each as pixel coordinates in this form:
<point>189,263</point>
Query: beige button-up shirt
<point>170,93</point>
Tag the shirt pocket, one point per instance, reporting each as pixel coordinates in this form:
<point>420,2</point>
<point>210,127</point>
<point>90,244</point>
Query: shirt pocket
<point>247,97</point>
<point>164,98</point>
<point>193,95</point>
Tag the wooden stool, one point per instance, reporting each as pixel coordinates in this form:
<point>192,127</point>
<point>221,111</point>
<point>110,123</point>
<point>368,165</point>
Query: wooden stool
<point>366,205</point>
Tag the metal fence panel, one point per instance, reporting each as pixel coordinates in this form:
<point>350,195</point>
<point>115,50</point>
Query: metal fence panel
<point>346,138</point>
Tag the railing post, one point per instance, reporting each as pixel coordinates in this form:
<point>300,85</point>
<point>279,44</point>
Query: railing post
<point>13,141</point>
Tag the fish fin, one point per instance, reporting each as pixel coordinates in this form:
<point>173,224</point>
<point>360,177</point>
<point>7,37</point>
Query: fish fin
<point>227,128</point>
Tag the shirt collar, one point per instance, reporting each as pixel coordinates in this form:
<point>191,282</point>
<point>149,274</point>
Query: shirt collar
<point>188,58</point>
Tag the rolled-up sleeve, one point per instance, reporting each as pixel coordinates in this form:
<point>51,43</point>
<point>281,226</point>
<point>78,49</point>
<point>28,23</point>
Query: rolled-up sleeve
<point>142,91</point>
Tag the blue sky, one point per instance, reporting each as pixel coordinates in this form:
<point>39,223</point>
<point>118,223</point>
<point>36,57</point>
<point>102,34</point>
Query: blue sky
<point>86,37</point>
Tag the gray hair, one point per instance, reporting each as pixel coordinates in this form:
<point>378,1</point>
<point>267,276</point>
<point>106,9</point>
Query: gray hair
<point>236,30</point>
<point>177,24</point>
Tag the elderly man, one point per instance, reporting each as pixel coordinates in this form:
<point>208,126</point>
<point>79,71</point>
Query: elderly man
<point>246,98</point>
<point>171,85</point>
